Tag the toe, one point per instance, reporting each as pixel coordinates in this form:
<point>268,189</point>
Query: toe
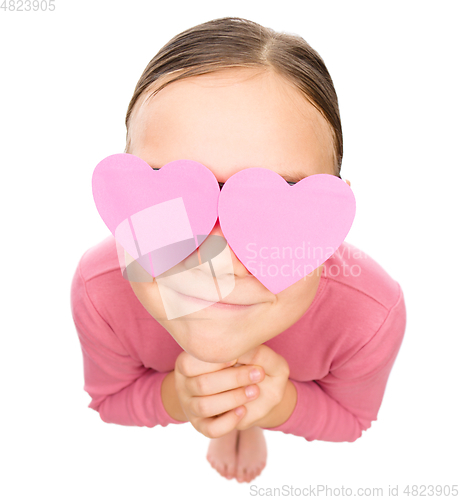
<point>240,473</point>
<point>230,471</point>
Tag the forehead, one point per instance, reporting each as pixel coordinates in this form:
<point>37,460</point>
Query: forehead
<point>230,120</point>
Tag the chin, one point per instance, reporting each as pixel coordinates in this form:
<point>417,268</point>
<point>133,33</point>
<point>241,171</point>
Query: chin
<point>216,350</point>
<point>211,353</point>
<point>213,359</point>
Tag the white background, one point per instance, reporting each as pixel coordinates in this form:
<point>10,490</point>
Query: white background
<point>66,80</point>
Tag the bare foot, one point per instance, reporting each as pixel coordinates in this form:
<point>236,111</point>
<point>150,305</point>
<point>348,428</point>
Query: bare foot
<point>222,454</point>
<point>251,454</point>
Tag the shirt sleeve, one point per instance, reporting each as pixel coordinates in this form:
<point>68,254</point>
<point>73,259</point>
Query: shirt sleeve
<point>340,406</point>
<point>122,390</point>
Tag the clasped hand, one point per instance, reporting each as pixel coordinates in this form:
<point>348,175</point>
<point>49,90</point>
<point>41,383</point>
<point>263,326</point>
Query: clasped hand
<point>209,393</point>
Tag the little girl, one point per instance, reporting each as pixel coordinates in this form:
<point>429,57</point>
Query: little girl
<point>312,360</point>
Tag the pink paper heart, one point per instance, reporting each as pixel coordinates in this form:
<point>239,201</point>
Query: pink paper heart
<point>281,232</point>
<point>158,217</point>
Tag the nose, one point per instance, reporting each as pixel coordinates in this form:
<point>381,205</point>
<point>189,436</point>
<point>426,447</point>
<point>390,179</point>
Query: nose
<point>238,267</point>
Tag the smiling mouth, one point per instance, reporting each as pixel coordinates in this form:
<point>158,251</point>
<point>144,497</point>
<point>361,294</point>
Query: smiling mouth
<point>218,305</point>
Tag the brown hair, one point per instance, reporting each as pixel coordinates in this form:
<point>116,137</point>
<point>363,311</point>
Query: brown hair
<point>235,42</point>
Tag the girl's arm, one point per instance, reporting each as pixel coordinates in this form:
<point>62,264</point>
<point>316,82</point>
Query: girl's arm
<point>343,404</point>
<point>170,398</point>
<point>122,390</point>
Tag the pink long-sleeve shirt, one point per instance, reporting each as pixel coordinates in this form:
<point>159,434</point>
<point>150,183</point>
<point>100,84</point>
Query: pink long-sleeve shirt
<point>340,352</point>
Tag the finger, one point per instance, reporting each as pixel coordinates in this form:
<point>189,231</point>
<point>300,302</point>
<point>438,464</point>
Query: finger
<point>215,427</point>
<point>210,406</point>
<point>223,380</point>
<point>272,362</point>
<point>190,366</point>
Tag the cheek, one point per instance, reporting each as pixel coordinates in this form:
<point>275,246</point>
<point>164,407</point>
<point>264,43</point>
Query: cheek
<point>149,296</point>
<point>294,301</point>
<point>293,294</point>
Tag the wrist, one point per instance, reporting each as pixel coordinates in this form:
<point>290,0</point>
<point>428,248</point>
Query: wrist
<point>283,410</point>
<point>170,398</point>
